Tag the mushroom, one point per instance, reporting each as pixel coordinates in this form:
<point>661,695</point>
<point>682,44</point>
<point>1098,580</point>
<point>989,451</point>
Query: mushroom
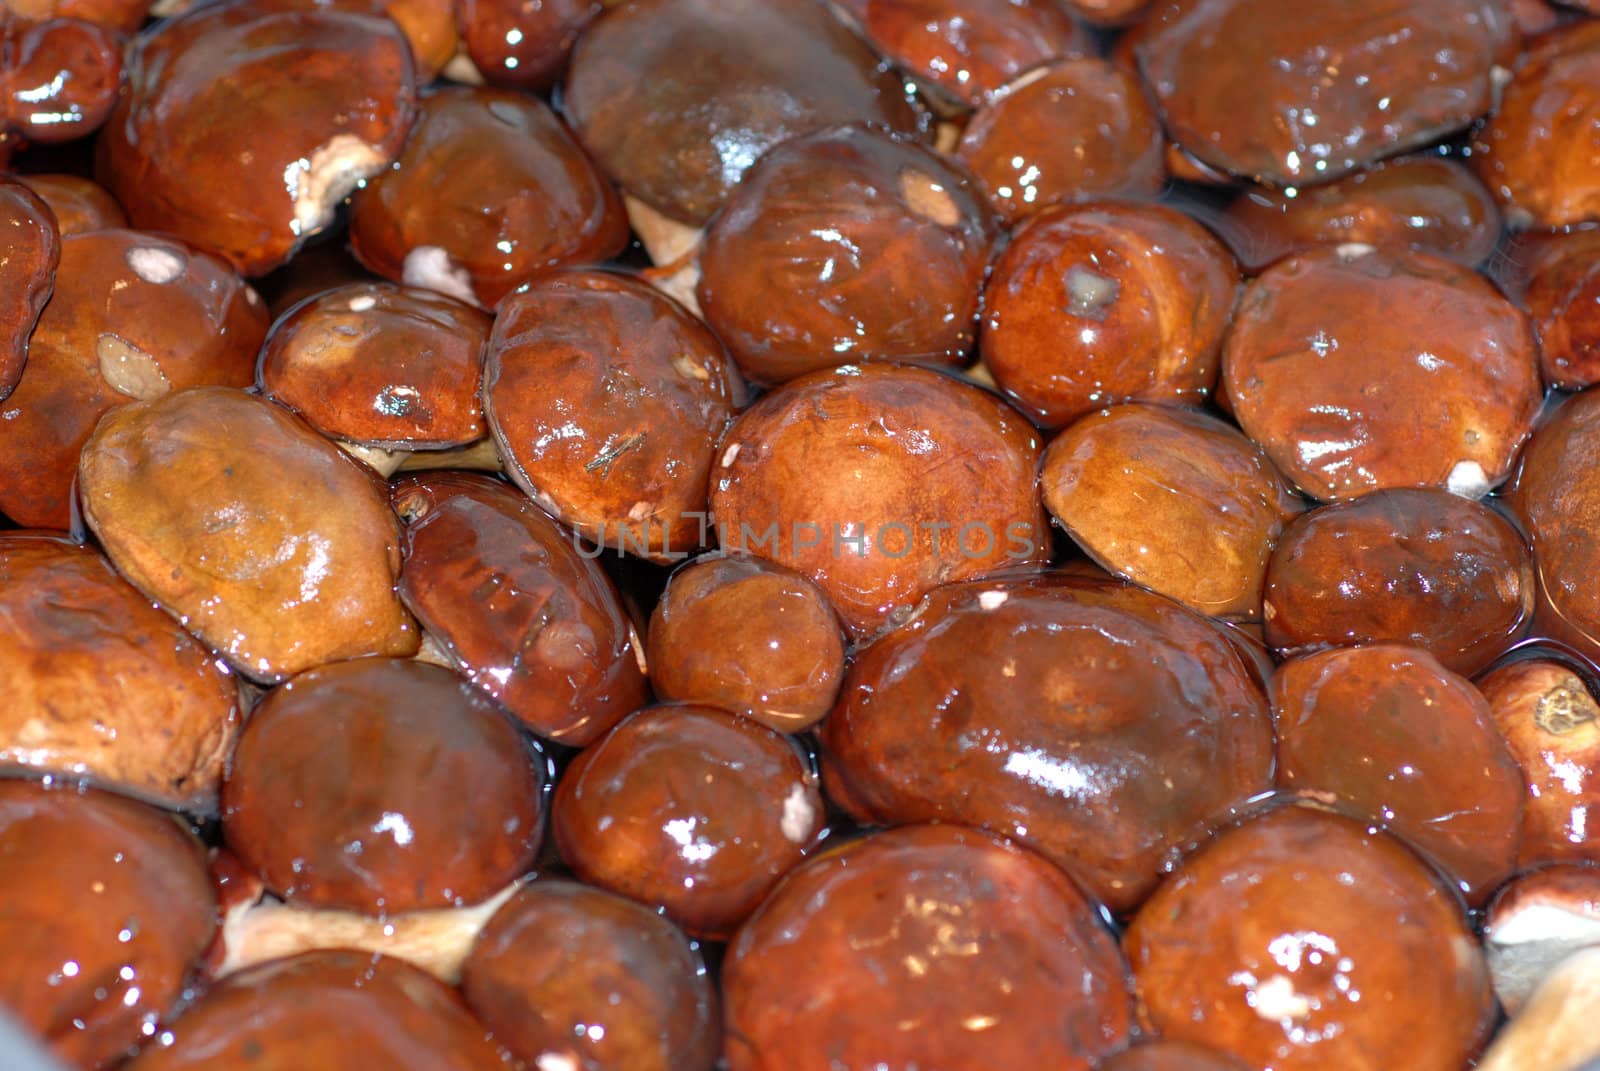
<point>1535,923</point>
<point>27,272</point>
<point>1555,1030</point>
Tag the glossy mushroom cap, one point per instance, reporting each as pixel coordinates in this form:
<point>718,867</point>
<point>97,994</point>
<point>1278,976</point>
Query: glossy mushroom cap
<point>880,482</point>
<point>27,273</point>
<point>920,947</point>
<point>105,911</point>
<point>317,100</point>
<point>1358,370</point>
<point>676,99</point>
<point>520,605</point>
<point>334,1009</point>
<point>608,401</point>
<point>568,972</point>
<point>1301,940</point>
<point>383,785</point>
<point>79,204</point>
<point>689,810</point>
<point>101,685</point>
<point>1116,727</point>
<point>749,637</point>
<point>262,537</point>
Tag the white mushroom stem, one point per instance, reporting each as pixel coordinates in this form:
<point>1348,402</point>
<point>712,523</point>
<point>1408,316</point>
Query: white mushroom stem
<point>384,462</point>
<point>481,456</point>
<point>461,69</point>
<point>1556,1030</point>
<point>437,941</point>
<point>1535,924</point>
<point>433,652</point>
<point>666,240</point>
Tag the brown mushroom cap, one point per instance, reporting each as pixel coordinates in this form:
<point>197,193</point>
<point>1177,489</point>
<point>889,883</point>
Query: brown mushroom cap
<point>1410,565</point>
<point>879,483</point>
<point>677,98</point>
<point>1427,203</point>
<point>429,26</point>
<point>381,365</point>
<point>382,785</point>
<point>1161,1055</point>
<point>1096,304</point>
<point>79,205</point>
<point>491,189</point>
<point>530,619</point>
<point>1302,93</point>
<point>1540,151</point>
<point>1072,131</point>
<point>1551,722</point>
<point>1303,941</point>
<point>520,45</point>
<point>325,1010</point>
<point>27,273</point>
<point>122,15</point>
<point>568,972</point>
<point>100,684</point>
<point>1388,735</point>
<point>260,536</point>
<point>871,248</point>
<point>750,637</point>
<point>1562,294</point>
<point>931,946</point>
<point>105,910</point>
<point>1100,725</point>
<point>608,401</point>
<point>133,317</point>
<point>317,100</point>
<point>1438,390</point>
<point>966,50</point>
<point>1175,500</point>
<point>60,77</point>
<point>690,810</point>
<point>1559,505</point>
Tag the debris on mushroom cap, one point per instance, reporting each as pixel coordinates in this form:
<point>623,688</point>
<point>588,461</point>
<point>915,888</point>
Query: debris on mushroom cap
<point>1535,923</point>
<point>437,940</point>
<point>1555,1030</point>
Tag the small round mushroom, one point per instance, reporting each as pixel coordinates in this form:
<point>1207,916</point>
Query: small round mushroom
<point>1428,203</point>
<point>104,912</point>
<point>1100,725</point>
<point>1540,151</point>
<point>1303,941</point>
<point>1559,505</point>
<point>872,248</point>
<point>1551,721</point>
<point>258,534</point>
<point>324,1010</point>
<point>607,401</point>
<point>317,100</point>
<point>101,685</point>
<point>931,946</point>
<point>1536,922</point>
<point>690,810</point>
<point>1292,94</point>
<point>1439,391</point>
<point>27,274</point>
<point>79,205</point>
<point>384,366</point>
<point>1172,499</point>
<point>383,785</point>
<point>133,317</point>
<point>749,637</point>
<point>568,976</point>
<point>519,604</point>
<point>520,45</point>
<point>1102,303</point>
<point>1072,131</point>
<point>1410,565</point>
<point>676,99</point>
<point>878,483</point>
<point>1388,735</point>
<point>60,78</point>
<point>964,51</point>
<point>490,190</point>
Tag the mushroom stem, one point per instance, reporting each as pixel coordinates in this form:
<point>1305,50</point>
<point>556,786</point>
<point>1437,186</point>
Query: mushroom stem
<point>481,456</point>
<point>384,462</point>
<point>1555,1032</point>
<point>436,940</point>
<point>666,240</point>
